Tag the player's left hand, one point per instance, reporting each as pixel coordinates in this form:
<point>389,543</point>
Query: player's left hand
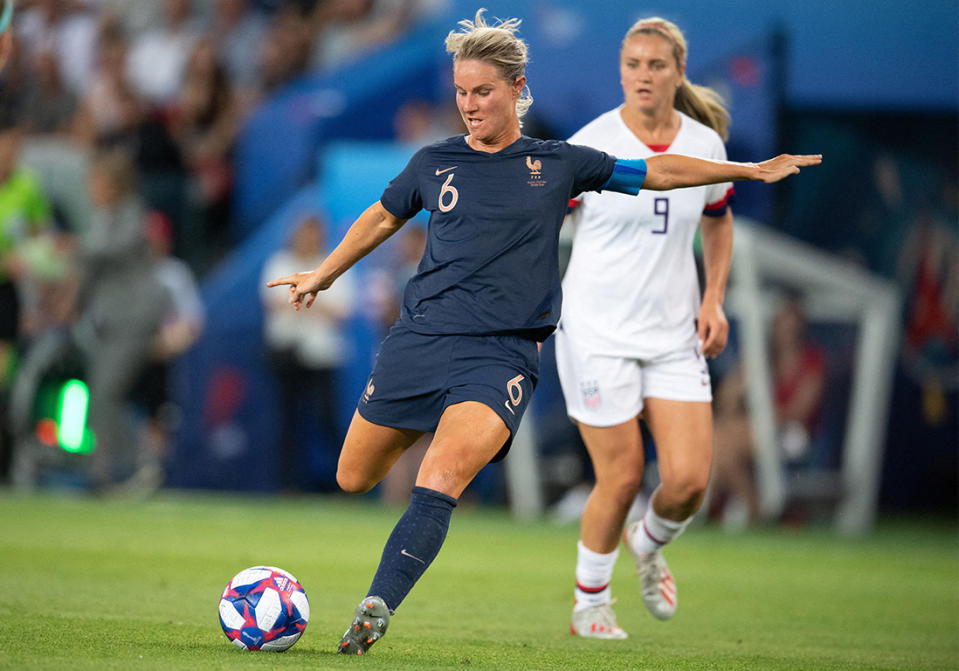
<point>713,328</point>
<point>302,286</point>
<point>785,165</point>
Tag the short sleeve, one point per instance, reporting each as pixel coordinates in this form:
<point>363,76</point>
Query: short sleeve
<point>718,196</point>
<point>591,168</point>
<point>402,197</point>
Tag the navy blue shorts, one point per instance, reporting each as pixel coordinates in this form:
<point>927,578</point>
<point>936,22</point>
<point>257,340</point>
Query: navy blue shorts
<point>416,377</point>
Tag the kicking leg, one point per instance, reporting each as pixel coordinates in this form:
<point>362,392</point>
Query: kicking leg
<point>468,436</point>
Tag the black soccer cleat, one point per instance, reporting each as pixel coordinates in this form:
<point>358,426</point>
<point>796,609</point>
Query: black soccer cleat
<point>368,626</point>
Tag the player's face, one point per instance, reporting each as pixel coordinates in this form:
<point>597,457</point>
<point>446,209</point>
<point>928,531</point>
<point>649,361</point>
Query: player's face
<point>649,73</point>
<point>485,100</point>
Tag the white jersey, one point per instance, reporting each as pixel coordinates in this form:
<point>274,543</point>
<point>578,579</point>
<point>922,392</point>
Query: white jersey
<point>631,288</point>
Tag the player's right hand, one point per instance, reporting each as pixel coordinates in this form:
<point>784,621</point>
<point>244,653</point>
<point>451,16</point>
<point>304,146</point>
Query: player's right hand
<point>302,286</point>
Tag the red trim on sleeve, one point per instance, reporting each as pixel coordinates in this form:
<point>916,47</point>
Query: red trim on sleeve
<point>720,205</point>
<point>573,204</point>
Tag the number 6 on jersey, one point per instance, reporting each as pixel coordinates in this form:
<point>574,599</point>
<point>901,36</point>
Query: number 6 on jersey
<point>515,393</point>
<point>451,190</point>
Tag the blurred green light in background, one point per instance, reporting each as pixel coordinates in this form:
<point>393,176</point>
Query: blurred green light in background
<point>72,416</point>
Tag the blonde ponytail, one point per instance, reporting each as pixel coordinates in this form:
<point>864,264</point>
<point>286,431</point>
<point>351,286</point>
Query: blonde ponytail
<point>704,105</point>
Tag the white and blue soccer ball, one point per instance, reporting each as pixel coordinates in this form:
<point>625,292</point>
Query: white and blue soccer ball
<point>264,608</point>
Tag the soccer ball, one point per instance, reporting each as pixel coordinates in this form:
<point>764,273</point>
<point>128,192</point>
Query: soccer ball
<point>264,608</point>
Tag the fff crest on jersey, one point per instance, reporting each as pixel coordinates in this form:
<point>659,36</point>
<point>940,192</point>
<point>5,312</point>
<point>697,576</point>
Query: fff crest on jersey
<point>535,172</point>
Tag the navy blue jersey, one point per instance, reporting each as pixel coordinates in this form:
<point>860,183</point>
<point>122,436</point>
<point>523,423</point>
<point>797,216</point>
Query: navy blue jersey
<point>492,260</point>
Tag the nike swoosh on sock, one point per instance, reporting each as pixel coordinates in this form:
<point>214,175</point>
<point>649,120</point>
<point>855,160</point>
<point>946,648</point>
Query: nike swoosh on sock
<point>404,552</point>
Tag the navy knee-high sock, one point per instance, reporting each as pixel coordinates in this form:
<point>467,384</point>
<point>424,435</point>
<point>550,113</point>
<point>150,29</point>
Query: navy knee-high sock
<point>414,543</point>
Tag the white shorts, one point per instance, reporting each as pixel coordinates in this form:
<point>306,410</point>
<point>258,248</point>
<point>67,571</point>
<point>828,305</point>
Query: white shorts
<point>604,390</point>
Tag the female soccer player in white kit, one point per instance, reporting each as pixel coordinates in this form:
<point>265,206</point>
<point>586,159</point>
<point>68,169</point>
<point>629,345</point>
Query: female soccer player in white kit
<point>634,333</point>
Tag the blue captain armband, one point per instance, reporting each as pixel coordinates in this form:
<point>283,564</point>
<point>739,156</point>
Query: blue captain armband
<point>628,176</point>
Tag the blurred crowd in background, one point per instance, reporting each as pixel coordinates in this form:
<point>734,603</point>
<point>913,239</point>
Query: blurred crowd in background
<point>172,82</point>
<point>118,128</point>
<point>146,100</point>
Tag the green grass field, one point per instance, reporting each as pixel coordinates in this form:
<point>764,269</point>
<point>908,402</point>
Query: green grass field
<point>89,584</point>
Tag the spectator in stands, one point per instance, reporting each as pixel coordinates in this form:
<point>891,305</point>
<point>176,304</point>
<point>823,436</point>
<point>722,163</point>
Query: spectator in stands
<point>134,16</point>
<point>64,28</point>
<point>124,306</point>
<point>285,50</point>
<point>159,56</point>
<point>110,107</point>
<point>24,215</point>
<point>305,350</point>
<point>49,106</point>
<point>204,123</point>
<point>927,268</point>
<point>799,376</point>
<point>14,78</point>
<point>115,115</point>
<point>238,31</point>
<point>181,326</point>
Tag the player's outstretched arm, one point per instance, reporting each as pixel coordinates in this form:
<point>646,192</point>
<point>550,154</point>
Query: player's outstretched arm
<point>372,227</point>
<point>674,171</point>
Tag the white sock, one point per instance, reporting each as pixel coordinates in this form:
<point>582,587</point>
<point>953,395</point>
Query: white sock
<point>655,531</point>
<point>593,574</point>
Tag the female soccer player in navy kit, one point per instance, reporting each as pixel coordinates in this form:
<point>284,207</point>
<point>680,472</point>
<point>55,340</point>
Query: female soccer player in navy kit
<point>462,360</point>
<point>629,347</point>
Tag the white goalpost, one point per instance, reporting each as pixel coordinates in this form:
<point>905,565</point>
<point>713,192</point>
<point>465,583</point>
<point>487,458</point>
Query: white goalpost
<point>835,291</point>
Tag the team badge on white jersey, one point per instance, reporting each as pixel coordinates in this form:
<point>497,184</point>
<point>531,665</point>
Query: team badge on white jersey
<point>591,397</point>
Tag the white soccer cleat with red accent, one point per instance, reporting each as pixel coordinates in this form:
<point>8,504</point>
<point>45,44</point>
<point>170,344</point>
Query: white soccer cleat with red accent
<point>596,622</point>
<point>656,584</point>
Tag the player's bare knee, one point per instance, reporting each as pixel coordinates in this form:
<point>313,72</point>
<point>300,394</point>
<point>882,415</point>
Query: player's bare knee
<point>687,490</point>
<point>622,488</point>
<point>352,482</point>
